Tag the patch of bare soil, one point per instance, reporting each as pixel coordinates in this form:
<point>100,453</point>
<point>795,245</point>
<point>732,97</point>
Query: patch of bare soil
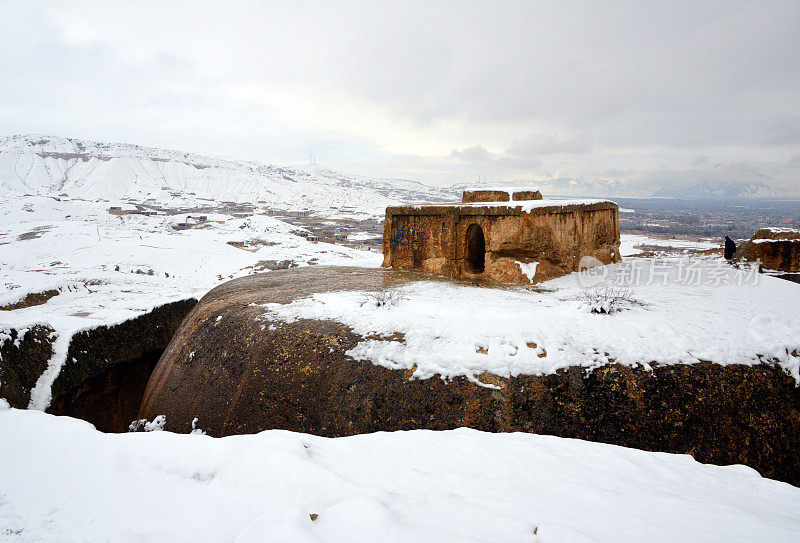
<point>32,299</point>
<point>33,234</point>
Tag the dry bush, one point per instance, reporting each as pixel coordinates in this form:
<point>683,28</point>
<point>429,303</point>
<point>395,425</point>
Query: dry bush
<point>383,298</point>
<point>605,299</point>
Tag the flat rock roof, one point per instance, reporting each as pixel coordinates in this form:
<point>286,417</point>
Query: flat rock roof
<point>504,208</point>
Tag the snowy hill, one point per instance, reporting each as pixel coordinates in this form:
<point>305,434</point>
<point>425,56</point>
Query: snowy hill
<point>52,166</point>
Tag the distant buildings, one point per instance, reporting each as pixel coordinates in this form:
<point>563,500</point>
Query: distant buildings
<point>117,210</point>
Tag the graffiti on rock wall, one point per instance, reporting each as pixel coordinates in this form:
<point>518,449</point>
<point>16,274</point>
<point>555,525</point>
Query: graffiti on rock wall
<point>404,234</point>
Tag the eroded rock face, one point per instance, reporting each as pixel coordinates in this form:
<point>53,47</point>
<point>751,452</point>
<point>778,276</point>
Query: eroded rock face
<point>239,373</point>
<point>106,371</point>
<point>23,358</point>
<point>775,249</point>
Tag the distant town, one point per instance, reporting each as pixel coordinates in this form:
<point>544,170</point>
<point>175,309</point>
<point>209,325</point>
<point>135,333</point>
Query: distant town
<point>713,219</point>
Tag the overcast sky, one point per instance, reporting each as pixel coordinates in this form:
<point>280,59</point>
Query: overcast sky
<point>439,92</point>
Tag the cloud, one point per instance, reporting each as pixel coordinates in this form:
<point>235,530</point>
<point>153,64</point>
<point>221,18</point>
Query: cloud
<point>476,153</point>
<point>569,90</point>
<point>784,132</point>
<point>546,144</point>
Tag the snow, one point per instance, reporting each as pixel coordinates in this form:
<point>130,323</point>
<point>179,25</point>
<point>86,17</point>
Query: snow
<point>526,206</point>
<point>780,240</point>
<point>64,481</point>
<point>683,311</point>
<point>41,393</point>
<point>528,270</point>
<point>630,244</point>
<point>363,236</point>
<point>530,205</point>
<point>782,230</point>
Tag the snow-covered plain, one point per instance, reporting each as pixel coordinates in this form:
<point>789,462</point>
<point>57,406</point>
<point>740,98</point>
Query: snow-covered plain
<point>680,311</point>
<point>60,480</point>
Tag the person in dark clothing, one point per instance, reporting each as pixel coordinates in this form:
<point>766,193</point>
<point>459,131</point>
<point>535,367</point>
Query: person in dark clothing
<point>730,248</point>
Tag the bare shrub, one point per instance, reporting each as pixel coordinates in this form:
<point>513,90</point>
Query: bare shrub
<point>383,298</point>
<point>605,299</point>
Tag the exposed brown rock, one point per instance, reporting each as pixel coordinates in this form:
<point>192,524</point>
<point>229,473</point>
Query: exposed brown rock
<point>236,373</point>
<point>30,300</point>
<point>780,252</point>
<point>23,358</point>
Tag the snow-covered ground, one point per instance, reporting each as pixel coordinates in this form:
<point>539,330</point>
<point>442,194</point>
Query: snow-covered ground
<point>61,480</point>
<point>109,268</point>
<point>631,244</point>
<point>678,311</point>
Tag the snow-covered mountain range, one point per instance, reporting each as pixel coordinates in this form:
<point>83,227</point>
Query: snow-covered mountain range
<point>54,166</point>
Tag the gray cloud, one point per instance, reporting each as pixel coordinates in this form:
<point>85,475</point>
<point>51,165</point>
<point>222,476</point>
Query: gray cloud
<point>473,154</point>
<point>573,89</point>
<point>785,131</point>
<point>545,144</point>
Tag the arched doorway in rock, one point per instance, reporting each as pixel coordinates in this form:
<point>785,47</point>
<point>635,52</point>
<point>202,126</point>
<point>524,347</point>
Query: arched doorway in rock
<point>476,249</point>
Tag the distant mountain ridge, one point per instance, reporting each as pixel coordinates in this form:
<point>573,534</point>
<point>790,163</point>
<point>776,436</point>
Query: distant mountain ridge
<point>52,166</point>
<point>730,191</point>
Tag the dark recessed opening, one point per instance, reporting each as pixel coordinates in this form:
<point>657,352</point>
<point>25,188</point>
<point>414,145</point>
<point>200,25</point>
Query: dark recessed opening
<point>110,400</point>
<point>476,249</point>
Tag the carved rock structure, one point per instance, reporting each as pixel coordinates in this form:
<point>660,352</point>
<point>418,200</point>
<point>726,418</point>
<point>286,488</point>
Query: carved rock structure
<point>238,372</point>
<point>502,235</point>
<point>775,248</point>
